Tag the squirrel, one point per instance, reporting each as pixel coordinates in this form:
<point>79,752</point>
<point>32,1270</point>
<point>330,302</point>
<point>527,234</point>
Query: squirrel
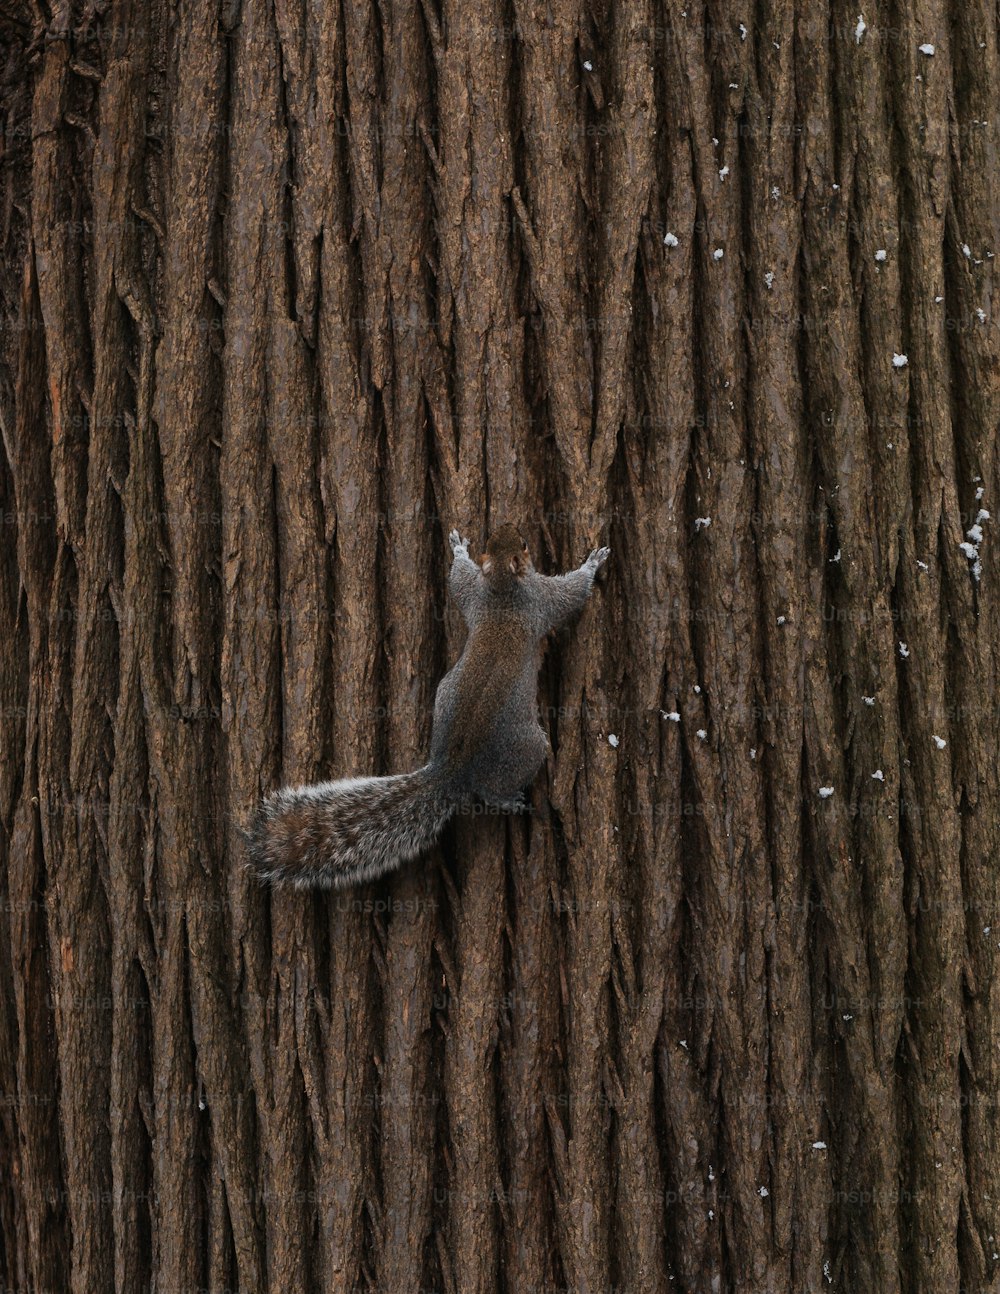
<point>486,740</point>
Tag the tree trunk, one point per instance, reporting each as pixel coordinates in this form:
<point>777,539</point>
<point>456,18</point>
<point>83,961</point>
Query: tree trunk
<point>287,291</point>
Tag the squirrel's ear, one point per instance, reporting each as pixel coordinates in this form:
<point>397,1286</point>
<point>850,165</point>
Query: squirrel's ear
<point>487,565</point>
<point>512,564</point>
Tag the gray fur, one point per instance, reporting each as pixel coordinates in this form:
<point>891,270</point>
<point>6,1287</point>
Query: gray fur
<point>341,833</point>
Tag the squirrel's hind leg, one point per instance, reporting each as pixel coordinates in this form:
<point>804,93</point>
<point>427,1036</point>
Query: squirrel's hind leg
<point>510,770</point>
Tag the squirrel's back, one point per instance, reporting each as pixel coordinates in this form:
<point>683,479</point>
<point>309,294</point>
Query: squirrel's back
<point>496,671</point>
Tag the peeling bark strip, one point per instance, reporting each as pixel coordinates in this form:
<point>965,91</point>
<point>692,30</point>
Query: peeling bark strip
<point>286,292</point>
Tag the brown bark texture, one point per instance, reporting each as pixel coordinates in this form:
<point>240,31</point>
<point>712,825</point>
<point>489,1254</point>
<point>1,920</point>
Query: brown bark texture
<point>290,288</point>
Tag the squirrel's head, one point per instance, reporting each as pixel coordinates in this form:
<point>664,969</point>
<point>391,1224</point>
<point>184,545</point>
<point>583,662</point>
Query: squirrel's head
<point>506,558</point>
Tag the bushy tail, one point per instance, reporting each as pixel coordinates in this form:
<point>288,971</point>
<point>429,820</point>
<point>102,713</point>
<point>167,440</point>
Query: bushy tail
<point>342,833</point>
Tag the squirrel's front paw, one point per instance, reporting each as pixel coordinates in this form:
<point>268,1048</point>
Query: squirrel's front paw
<point>598,557</point>
<point>458,544</point>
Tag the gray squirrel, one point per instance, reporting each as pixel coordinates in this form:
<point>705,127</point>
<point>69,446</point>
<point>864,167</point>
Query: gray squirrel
<point>486,741</point>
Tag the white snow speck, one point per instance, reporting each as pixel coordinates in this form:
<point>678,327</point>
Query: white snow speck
<point>966,250</point>
<point>672,715</point>
<point>904,651</point>
<point>899,361</point>
<point>819,1145</point>
<point>753,752</point>
<point>836,556</point>
<point>938,300</point>
<point>981,315</point>
<point>703,734</point>
<point>724,172</point>
<point>671,240</point>
<point>826,1272</point>
<point>923,565</point>
<point>763,1192</point>
<point>825,792</point>
<point>588,65</point>
<point>775,192</point>
<point>938,741</point>
<point>868,700</point>
<point>718,254</point>
<point>927,49</point>
<point>987,929</point>
<point>612,740</point>
<point>702,523</point>
<point>769,279</point>
<point>878,775</point>
<point>781,620</point>
<point>711,1214</point>
<point>684,1043</point>
<point>881,255</point>
<point>711,1173</point>
<point>743,32</point>
<point>696,689</point>
<point>973,539</point>
<point>860,30</point>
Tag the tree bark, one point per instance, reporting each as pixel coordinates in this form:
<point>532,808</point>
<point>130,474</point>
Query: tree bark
<point>289,290</point>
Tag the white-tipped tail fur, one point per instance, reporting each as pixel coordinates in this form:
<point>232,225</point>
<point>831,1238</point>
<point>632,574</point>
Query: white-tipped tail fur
<point>342,833</point>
